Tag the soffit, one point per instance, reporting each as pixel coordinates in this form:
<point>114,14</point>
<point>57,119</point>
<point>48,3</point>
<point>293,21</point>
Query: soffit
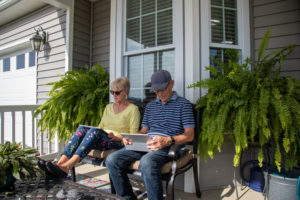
<point>13,9</point>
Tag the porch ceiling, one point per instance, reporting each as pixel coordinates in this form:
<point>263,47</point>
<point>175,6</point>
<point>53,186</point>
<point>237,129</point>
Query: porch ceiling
<point>14,9</point>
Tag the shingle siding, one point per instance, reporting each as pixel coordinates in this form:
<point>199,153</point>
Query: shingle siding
<point>283,19</point>
<point>81,41</point>
<point>51,61</point>
<point>101,33</point>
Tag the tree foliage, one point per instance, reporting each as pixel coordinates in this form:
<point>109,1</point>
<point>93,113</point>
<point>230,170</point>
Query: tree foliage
<point>252,104</point>
<point>79,97</point>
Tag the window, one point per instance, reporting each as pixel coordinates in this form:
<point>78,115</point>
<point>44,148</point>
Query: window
<point>32,59</point>
<point>148,43</point>
<point>224,21</point>
<point>20,61</point>
<point>149,24</point>
<point>24,60</point>
<point>224,28</point>
<point>6,64</point>
<point>150,62</point>
<point>227,31</point>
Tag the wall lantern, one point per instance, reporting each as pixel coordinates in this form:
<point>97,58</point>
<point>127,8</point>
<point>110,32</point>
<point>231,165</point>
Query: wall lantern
<point>38,41</point>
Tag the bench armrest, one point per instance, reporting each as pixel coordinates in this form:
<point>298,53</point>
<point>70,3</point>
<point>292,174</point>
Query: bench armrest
<point>173,153</point>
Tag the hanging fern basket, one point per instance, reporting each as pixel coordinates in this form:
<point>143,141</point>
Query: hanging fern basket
<point>79,97</point>
<point>252,104</point>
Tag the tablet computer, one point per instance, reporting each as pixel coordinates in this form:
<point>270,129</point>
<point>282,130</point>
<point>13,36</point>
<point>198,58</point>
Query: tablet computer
<point>139,141</point>
<point>91,126</point>
<point>103,135</point>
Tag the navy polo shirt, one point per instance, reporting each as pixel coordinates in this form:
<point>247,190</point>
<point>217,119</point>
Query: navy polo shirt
<point>168,119</point>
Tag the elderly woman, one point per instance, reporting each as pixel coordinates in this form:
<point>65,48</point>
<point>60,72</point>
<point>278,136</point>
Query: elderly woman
<point>118,117</point>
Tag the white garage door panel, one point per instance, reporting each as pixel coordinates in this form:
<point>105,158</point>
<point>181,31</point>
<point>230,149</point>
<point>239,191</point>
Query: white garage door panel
<point>18,87</point>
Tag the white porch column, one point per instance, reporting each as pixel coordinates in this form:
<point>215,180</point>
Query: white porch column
<point>192,65</point>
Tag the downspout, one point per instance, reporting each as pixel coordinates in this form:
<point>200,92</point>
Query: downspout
<point>91,34</point>
<point>252,41</point>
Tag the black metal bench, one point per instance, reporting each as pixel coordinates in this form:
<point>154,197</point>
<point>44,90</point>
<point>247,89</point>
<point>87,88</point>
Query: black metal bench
<point>170,170</point>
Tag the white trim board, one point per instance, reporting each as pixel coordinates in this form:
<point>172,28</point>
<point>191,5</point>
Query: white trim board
<point>15,46</point>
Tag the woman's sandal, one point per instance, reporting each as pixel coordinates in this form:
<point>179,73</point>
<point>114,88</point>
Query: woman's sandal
<point>55,170</point>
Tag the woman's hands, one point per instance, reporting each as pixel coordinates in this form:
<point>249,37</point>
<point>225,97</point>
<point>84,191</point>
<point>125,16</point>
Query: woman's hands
<point>126,141</point>
<point>113,137</point>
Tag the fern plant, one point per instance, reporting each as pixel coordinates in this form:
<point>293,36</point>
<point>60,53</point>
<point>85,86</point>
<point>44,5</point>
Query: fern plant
<point>249,104</point>
<point>79,97</point>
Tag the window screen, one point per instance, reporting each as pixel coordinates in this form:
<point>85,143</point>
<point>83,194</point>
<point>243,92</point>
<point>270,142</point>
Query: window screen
<point>224,31</point>
<point>223,55</point>
<point>149,24</point>
<point>224,21</point>
<point>142,67</point>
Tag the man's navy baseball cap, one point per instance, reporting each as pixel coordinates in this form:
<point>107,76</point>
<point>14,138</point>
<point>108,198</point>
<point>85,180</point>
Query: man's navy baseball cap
<point>160,80</point>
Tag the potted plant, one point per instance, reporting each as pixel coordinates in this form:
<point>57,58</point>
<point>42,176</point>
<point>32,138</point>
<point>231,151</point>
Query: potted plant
<point>16,163</point>
<point>79,97</point>
<point>252,102</point>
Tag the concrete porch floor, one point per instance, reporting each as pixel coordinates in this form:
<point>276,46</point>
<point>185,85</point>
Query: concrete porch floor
<point>226,193</point>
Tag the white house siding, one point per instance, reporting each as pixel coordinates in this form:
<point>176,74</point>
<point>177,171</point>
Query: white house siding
<point>283,19</point>
<point>49,63</point>
<point>81,42</point>
<point>101,33</point>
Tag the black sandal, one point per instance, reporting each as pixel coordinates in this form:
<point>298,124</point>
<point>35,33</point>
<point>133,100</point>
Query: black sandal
<point>55,170</point>
<point>42,165</point>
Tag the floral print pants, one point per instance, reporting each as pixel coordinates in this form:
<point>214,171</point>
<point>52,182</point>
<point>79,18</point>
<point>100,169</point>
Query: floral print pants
<point>85,139</point>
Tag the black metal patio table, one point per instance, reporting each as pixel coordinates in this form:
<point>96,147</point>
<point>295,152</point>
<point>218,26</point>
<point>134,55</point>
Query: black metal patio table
<point>53,188</point>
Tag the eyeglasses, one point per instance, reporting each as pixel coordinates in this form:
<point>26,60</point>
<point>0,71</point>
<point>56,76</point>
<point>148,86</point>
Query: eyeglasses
<point>115,92</point>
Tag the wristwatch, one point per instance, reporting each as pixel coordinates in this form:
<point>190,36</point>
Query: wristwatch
<point>172,141</point>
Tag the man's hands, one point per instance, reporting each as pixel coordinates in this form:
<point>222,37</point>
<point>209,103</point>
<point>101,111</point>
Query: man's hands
<point>159,142</point>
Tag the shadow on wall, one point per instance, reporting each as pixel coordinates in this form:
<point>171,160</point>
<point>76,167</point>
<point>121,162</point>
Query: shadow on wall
<point>47,50</point>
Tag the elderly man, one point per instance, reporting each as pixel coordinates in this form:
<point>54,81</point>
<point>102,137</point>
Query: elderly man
<point>167,120</point>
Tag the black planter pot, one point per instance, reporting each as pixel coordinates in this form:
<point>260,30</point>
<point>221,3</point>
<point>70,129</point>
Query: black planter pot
<point>10,180</point>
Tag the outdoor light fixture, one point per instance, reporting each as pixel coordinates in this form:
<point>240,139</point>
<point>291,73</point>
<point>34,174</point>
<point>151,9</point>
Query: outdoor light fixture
<point>38,41</point>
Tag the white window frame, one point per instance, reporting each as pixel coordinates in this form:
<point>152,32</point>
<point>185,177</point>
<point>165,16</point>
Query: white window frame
<point>118,65</point>
<point>243,24</point>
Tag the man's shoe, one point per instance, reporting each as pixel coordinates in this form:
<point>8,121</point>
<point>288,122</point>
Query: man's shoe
<point>55,170</point>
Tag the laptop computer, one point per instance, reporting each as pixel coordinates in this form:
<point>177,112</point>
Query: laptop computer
<point>139,141</point>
